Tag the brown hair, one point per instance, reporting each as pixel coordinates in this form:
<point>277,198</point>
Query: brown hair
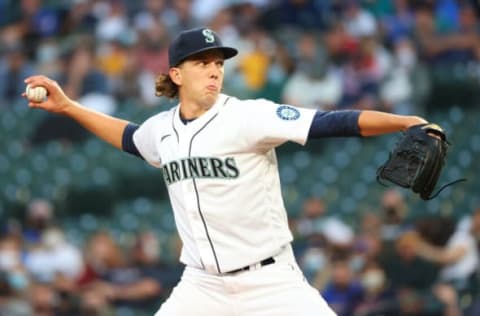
<point>165,87</point>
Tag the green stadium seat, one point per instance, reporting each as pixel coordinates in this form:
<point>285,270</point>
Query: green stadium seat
<point>5,165</point>
<point>128,221</point>
<point>456,115</point>
<point>342,159</point>
<point>88,223</point>
<point>93,148</point>
<point>475,143</point>
<point>288,174</point>
<point>8,122</point>
<point>54,150</point>
<point>301,159</point>
<point>143,206</point>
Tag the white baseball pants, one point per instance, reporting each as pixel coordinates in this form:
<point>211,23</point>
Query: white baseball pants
<point>278,289</point>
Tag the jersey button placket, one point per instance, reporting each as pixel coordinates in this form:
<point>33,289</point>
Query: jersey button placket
<point>191,206</point>
<point>193,213</point>
<point>198,231</point>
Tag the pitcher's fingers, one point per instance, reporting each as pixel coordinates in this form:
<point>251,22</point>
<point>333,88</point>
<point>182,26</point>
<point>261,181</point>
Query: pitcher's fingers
<point>35,78</point>
<point>39,80</point>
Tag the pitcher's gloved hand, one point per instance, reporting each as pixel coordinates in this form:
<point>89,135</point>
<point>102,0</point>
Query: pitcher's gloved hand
<point>417,160</point>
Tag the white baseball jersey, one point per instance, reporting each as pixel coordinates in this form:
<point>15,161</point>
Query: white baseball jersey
<point>222,177</point>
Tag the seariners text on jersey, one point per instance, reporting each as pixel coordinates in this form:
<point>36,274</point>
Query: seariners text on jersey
<point>200,167</point>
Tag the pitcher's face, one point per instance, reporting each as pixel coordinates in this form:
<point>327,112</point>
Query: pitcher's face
<point>200,78</point>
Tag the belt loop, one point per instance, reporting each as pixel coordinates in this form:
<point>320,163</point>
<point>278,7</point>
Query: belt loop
<point>255,266</point>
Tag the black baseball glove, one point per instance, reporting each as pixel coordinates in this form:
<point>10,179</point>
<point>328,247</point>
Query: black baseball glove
<point>417,160</point>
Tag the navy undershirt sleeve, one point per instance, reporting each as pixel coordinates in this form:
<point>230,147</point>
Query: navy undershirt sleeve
<point>127,140</point>
<point>335,124</point>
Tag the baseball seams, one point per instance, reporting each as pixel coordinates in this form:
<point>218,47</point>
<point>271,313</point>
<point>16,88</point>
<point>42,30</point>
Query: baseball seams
<point>36,94</point>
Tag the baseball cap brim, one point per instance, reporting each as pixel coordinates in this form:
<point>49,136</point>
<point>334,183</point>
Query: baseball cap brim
<point>228,52</point>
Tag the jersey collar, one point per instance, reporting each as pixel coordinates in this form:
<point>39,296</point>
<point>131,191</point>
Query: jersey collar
<point>202,119</point>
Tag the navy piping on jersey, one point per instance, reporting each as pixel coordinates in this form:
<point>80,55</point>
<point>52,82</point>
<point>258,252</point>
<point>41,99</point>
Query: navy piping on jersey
<point>334,124</point>
<point>127,140</point>
<point>185,121</point>
<point>164,136</point>
<point>198,196</point>
<point>173,125</point>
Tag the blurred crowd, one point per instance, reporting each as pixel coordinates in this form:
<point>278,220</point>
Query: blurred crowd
<point>391,262</point>
<point>43,273</point>
<point>388,264</point>
<point>323,54</point>
<point>314,53</point>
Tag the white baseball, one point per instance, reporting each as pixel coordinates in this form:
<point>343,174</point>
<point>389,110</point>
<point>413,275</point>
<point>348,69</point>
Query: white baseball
<point>36,94</point>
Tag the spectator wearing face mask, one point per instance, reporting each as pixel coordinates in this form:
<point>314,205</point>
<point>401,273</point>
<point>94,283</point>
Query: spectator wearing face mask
<point>14,280</point>
<point>54,257</point>
<point>315,83</point>
<point>149,259</point>
<point>13,69</point>
<point>379,297</point>
<point>11,303</point>
<point>343,293</point>
<point>117,279</point>
<point>474,309</point>
<point>452,246</point>
<point>39,217</point>
<point>394,213</point>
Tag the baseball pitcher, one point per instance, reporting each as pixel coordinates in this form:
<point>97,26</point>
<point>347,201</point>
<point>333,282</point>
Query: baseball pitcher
<point>217,155</point>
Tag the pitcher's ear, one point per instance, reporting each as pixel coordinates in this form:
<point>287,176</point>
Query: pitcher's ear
<point>175,75</point>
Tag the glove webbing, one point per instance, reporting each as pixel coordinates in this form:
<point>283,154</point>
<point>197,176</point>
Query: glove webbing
<point>409,183</point>
<point>431,169</point>
<point>436,176</point>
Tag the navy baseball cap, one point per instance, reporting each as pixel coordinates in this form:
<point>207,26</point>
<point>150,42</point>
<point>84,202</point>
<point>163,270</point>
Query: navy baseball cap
<point>194,41</point>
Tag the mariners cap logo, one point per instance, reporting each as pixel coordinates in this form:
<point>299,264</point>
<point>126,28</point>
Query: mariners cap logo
<point>209,36</point>
<point>190,42</point>
<point>288,113</point>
